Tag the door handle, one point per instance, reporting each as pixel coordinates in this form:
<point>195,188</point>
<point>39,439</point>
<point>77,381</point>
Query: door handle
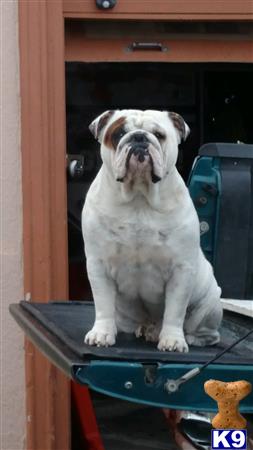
<point>75,165</point>
<point>144,46</point>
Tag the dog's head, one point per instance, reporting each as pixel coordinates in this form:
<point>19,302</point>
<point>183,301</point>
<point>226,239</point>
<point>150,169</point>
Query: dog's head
<point>139,145</point>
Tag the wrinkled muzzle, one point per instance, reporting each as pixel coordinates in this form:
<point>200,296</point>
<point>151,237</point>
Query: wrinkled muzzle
<point>138,155</point>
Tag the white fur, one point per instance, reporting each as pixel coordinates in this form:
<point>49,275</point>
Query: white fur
<point>146,269</point>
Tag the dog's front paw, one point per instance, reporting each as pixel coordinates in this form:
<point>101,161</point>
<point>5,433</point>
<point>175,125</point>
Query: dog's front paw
<point>172,341</point>
<point>103,334</point>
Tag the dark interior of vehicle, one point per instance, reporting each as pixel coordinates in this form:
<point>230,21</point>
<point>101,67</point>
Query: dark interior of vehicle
<point>214,99</point>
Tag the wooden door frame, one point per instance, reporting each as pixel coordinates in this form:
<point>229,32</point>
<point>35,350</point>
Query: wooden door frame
<point>41,37</point>
<point>43,145</point>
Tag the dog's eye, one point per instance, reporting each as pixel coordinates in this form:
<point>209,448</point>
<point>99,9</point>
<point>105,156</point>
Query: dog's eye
<point>121,134</point>
<point>159,135</point>
<point>117,135</point>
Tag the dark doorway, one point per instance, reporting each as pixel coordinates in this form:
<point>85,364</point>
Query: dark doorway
<point>214,100</point>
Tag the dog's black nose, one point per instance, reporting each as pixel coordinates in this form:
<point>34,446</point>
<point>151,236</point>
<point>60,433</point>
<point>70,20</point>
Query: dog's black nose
<point>140,151</point>
<point>139,137</point>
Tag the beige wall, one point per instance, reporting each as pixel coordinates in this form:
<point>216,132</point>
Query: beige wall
<point>12,357</point>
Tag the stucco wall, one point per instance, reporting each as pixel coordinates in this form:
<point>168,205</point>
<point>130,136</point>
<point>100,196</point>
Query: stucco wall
<point>12,339</point>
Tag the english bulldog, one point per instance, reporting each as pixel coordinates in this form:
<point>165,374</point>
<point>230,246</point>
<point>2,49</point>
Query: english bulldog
<point>141,232</point>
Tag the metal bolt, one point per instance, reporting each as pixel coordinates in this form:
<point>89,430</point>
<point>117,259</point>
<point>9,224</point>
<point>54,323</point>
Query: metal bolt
<point>204,227</point>
<point>203,200</point>
<point>171,386</point>
<point>128,384</point>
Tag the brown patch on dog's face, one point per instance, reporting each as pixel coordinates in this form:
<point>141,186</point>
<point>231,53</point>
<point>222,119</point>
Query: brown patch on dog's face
<point>179,124</point>
<point>114,133</point>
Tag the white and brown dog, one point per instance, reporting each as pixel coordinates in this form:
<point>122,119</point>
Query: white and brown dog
<point>142,241</point>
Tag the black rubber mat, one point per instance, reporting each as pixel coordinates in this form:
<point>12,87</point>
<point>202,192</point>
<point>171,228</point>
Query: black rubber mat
<point>69,321</point>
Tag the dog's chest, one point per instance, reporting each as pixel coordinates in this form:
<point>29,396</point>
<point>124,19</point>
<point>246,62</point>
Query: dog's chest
<point>138,256</point>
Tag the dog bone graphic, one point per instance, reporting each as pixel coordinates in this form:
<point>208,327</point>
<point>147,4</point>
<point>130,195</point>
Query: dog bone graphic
<point>228,396</point>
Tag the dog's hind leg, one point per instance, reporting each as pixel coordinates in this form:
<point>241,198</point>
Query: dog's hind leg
<point>202,324</point>
<point>150,331</point>
<point>203,336</point>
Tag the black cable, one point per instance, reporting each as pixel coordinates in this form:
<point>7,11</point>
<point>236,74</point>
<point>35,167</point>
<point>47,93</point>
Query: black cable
<point>196,371</point>
<point>225,350</point>
<point>173,385</point>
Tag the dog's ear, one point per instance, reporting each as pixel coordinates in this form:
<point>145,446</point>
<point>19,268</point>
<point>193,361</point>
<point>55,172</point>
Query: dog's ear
<point>181,126</point>
<point>96,127</point>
